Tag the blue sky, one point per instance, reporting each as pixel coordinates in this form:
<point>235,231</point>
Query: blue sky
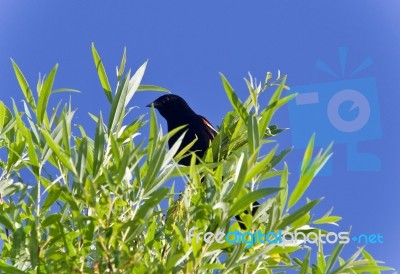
<point>188,43</point>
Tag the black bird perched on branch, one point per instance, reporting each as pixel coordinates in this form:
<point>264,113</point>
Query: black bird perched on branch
<point>177,113</point>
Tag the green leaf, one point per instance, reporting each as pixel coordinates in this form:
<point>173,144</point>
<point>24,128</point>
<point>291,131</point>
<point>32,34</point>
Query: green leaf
<point>278,158</point>
<point>135,226</point>
<point>59,90</point>
<point>118,106</point>
<point>251,197</point>
<point>184,151</point>
<point>5,115</point>
<point>132,128</point>
<point>151,231</point>
<point>15,151</point>
<point>153,132</point>
<point>212,267</point>
<point>5,220</point>
<point>349,264</point>
<point>9,268</point>
<point>174,149</point>
<point>121,68</point>
<point>8,187</point>
<point>58,151</point>
<point>155,163</point>
<point>44,94</point>
<point>309,173</point>
<point>239,178</point>
<point>333,257</point>
<point>123,165</point>
<point>154,199</point>
<point>134,83</point>
<point>52,197</point>
<point>261,166</point>
<point>327,220</point>
<point>82,159</point>
<point>51,219</point>
<point>33,245</point>
<point>298,214</point>
<point>284,185</point>
<point>33,159</point>
<point>283,101</point>
<point>320,258</point>
<point>371,261</point>
<point>269,111</point>
<point>306,263</point>
<point>115,149</point>
<point>152,88</point>
<point>370,269</point>
<point>308,154</point>
<point>277,94</point>
<point>253,135</point>
<point>234,99</point>
<point>99,142</point>
<point>24,85</point>
<point>18,242</point>
<point>102,74</point>
<point>32,124</point>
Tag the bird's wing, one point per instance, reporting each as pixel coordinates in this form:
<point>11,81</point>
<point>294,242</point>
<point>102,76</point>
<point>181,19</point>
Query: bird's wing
<point>210,129</point>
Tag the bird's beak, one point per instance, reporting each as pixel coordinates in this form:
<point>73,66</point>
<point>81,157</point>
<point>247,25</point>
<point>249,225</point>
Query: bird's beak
<point>154,104</point>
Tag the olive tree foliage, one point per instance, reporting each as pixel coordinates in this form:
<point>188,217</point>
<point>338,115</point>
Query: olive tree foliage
<point>78,202</point>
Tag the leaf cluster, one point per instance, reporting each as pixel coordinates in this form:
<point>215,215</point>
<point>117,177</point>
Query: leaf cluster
<point>74,202</point>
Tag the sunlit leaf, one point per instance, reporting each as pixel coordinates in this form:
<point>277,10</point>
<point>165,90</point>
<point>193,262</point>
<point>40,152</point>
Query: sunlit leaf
<point>134,83</point>
<point>102,73</point>
<point>44,94</point>
<point>24,85</point>
<point>234,99</point>
<point>152,88</point>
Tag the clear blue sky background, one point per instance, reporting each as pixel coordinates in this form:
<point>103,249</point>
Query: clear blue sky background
<point>189,42</point>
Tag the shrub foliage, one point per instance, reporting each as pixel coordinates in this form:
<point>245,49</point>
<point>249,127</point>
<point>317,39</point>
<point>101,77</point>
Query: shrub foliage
<point>74,202</point>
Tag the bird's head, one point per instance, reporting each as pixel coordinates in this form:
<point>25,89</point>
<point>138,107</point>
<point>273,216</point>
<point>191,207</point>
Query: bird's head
<point>171,105</point>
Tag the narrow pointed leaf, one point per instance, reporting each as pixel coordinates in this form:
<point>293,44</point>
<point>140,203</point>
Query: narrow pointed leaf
<point>308,154</point>
<point>234,99</point>
<point>24,85</point>
<point>152,88</point>
<point>289,220</point>
<point>251,197</point>
<point>44,94</point>
<point>134,83</point>
<point>121,68</point>
<point>333,257</point>
<point>102,73</point>
<point>118,106</point>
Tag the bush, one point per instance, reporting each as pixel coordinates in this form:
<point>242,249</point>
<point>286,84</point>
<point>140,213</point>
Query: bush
<point>100,204</point>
